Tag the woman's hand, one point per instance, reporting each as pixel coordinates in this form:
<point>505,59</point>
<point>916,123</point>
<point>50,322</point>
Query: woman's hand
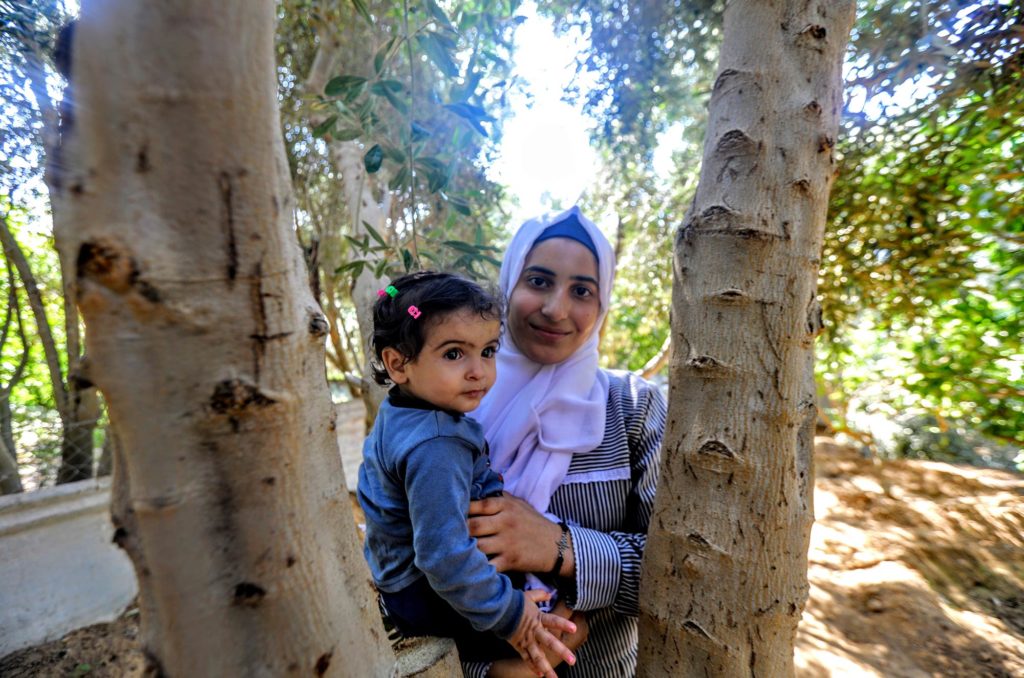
<point>516,537</point>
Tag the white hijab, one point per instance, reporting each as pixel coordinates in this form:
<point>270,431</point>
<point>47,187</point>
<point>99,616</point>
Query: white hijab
<point>536,417</point>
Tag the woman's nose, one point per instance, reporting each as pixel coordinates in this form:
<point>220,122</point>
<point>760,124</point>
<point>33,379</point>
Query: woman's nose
<point>556,306</point>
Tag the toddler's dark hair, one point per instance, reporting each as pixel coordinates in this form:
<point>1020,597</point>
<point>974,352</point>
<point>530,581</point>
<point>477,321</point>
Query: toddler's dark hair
<point>436,295</point>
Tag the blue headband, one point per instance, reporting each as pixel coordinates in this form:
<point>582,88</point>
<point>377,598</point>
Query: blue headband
<point>570,228</point>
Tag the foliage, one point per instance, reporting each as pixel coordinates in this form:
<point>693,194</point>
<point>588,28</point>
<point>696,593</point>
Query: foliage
<point>418,118</point>
<point>927,217</point>
<point>35,426</point>
<point>926,437</point>
<point>417,124</point>
<point>925,228</point>
<point>26,29</point>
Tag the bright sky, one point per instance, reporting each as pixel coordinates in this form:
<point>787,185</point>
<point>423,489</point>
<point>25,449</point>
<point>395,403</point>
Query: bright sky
<point>545,154</point>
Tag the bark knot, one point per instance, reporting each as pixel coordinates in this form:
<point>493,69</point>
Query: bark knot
<point>232,396</point>
<point>815,31</point>
<point>707,367</point>
<point>731,296</point>
<point>249,594</point>
<point>717,447</point>
<point>323,662</point>
<point>317,324</point>
<point>107,263</point>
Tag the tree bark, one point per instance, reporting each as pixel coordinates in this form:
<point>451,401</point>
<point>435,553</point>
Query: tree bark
<point>10,479</point>
<point>208,347</point>
<point>357,186</point>
<point>725,567</point>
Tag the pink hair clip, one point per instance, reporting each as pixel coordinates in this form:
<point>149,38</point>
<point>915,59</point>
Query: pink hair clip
<point>381,293</point>
<point>414,312</point>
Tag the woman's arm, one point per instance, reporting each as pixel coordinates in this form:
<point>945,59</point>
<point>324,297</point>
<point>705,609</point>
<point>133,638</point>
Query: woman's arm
<point>605,566</point>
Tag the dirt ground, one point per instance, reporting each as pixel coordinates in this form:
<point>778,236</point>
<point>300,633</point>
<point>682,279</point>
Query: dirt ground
<point>916,569</point>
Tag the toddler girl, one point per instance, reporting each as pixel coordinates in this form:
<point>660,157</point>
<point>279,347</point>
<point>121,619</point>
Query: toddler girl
<point>435,337</point>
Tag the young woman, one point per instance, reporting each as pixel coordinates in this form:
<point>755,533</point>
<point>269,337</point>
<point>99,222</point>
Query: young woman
<point>577,445</point>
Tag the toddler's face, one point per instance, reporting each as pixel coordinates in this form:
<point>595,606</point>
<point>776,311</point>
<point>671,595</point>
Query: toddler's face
<point>456,367</point>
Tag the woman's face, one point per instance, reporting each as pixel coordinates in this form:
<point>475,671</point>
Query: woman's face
<point>555,303</point>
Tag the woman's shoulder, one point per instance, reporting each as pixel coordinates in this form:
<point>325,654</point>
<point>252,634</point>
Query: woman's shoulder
<point>630,391</point>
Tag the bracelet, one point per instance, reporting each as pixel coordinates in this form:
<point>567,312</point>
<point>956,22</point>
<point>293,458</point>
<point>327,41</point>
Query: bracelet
<point>563,544</point>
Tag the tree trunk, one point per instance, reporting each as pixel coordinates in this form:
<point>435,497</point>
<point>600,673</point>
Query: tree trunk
<point>76,447</point>
<point>357,186</point>
<point>10,480</point>
<point>725,568</point>
<point>208,347</point>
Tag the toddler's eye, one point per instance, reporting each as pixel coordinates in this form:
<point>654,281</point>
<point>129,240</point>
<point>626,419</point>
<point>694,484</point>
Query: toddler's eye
<point>489,351</point>
<point>453,354</point>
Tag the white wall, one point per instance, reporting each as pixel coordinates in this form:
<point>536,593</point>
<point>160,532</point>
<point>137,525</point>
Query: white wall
<point>59,570</point>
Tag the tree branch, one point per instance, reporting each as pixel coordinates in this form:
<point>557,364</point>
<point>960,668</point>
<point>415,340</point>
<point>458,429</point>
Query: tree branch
<point>15,255</point>
<point>658,360</point>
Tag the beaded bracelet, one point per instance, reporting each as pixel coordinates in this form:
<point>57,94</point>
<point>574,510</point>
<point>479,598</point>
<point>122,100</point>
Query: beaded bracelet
<point>563,544</point>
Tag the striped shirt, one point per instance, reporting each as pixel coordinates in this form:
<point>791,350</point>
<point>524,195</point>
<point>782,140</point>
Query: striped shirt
<point>606,499</point>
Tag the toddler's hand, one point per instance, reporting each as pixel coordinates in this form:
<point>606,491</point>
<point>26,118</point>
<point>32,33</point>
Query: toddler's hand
<point>532,635</point>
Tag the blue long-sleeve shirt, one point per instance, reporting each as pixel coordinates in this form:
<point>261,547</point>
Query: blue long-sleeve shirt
<point>421,467</point>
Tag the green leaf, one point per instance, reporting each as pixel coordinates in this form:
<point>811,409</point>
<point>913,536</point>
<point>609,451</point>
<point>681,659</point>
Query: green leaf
<point>436,52</point>
<point>437,173</point>
<point>419,132</point>
<point>471,114</point>
<point>361,245</point>
<point>363,12</point>
<point>373,232</point>
<point>346,133</point>
<point>461,246</point>
<point>343,84</point>
<point>378,270</point>
<point>325,127</point>
<point>438,13</point>
<point>436,181</point>
<point>373,158</point>
<point>460,206</point>
<point>399,179</point>
<point>382,87</point>
<point>395,100</point>
<point>407,259</point>
<point>393,153</point>
<point>356,266</point>
<point>382,55</point>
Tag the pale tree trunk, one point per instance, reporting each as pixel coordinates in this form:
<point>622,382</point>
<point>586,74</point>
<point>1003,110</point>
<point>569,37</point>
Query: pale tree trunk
<point>208,347</point>
<point>725,568</point>
<point>357,186</point>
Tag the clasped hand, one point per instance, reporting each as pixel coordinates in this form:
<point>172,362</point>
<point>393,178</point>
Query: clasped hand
<point>513,534</point>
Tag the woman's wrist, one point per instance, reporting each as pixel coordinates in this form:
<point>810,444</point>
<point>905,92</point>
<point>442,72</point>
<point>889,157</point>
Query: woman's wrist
<point>563,560</point>
<point>561,547</point>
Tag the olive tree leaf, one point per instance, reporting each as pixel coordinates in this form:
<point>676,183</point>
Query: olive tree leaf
<point>373,159</point>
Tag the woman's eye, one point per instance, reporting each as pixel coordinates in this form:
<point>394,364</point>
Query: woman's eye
<point>452,354</point>
<point>536,281</point>
<point>581,291</point>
